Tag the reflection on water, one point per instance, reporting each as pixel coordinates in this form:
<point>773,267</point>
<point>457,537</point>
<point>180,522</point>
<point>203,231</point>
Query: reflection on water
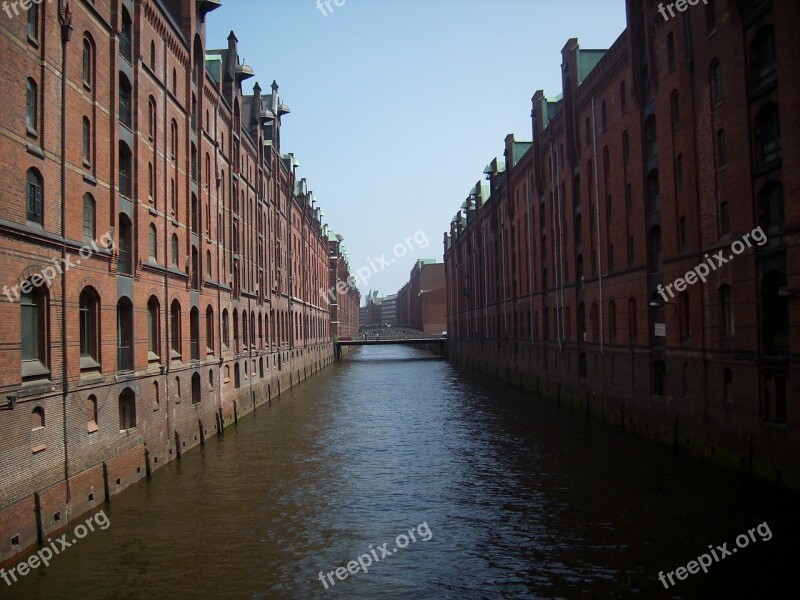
<point>523,499</point>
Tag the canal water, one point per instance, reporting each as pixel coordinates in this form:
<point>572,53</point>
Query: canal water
<point>505,497</point>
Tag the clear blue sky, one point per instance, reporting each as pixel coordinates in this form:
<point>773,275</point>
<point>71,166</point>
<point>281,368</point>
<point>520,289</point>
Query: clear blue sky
<point>398,105</point>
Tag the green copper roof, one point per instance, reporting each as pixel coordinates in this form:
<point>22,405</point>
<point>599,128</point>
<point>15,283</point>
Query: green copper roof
<point>520,148</point>
<point>587,61</point>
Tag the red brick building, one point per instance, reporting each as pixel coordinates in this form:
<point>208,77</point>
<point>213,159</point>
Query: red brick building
<point>666,149</point>
<point>343,296</point>
<point>422,302</point>
<point>121,125</point>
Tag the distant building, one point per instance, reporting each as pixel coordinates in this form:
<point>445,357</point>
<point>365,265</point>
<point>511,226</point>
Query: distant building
<point>422,302</point>
<point>389,310</point>
<point>345,301</point>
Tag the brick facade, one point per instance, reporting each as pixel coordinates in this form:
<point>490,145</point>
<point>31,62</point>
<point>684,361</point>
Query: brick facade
<point>206,302</point>
<point>662,151</point>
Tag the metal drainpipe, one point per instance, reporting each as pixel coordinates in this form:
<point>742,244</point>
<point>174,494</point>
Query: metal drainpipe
<point>65,18</point>
<point>166,310</point>
<point>597,217</point>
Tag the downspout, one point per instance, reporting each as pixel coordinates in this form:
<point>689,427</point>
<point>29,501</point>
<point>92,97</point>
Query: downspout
<point>560,291</point>
<point>166,309</point>
<point>597,224</point>
<point>530,262</point>
<point>556,247</point>
<point>65,18</point>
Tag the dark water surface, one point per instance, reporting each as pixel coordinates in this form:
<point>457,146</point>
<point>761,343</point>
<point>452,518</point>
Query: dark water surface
<point>523,499</point>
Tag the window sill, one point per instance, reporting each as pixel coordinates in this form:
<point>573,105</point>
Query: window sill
<point>89,178</point>
<point>35,369</point>
<point>88,363</point>
<point>39,448</point>
<point>91,427</point>
<point>35,150</point>
<point>32,40</point>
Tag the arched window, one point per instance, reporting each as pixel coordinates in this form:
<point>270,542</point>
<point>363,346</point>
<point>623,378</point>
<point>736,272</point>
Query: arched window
<point>235,330</point>
<point>175,329</point>
<point>87,142</point>
<point>715,74</point>
<point>124,334</point>
<point>623,99</point>
<point>767,134</point>
<point>775,314</point>
<point>194,333</point>
<point>153,56</point>
<point>156,396</point>
<point>762,58</point>
<point>655,249</point>
<point>126,36</point>
<point>88,64</point>
<point>127,410</point>
<point>237,380</point>
<point>685,315</point>
<point>32,106</point>
<point>35,332</point>
<point>603,115</point>
<point>244,330</point>
<point>675,110</point>
<point>653,192</point>
<point>174,82</point>
<point>89,323</point>
<point>650,137</point>
<point>771,216</point>
<point>175,255</point>
<point>659,377</point>
<point>125,263</point>
<point>152,242</point>
<point>153,329</point>
<point>626,147</point>
<point>209,330</point>
<point>91,414</point>
<point>125,102</point>
<point>34,196</point>
<point>225,329</point>
<point>125,171</point>
<point>722,154</point>
<point>583,366</point>
<point>173,139</point>
<point>197,395</point>
<point>37,418</point>
<point>612,320</point>
<point>152,112</point>
<point>633,328</point>
<point>724,218</point>
<point>726,310</point>
<point>33,21</point>
<point>89,231</point>
<point>671,52</point>
<point>209,267</point>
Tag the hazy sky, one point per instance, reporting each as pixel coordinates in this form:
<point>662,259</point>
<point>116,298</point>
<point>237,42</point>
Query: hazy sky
<point>398,105</point>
